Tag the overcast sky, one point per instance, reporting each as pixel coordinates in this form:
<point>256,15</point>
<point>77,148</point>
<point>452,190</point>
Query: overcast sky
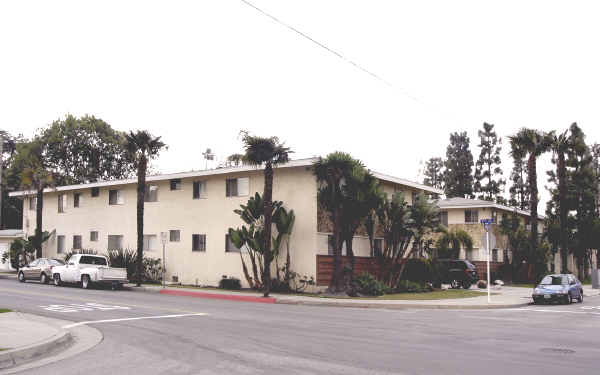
<point>196,72</point>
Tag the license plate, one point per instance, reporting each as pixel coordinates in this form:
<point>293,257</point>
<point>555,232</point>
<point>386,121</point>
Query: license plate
<point>547,296</point>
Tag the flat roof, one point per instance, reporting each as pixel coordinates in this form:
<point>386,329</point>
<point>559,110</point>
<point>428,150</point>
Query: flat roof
<point>458,202</point>
<point>219,171</point>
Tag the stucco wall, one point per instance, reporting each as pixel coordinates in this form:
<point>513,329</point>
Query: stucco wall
<point>176,210</point>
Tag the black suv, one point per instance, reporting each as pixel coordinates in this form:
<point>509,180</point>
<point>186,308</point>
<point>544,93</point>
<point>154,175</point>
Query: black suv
<point>457,273</point>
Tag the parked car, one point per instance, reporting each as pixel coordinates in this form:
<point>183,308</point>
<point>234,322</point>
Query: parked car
<point>87,270</point>
<point>562,288</point>
<point>458,273</point>
<point>39,269</point>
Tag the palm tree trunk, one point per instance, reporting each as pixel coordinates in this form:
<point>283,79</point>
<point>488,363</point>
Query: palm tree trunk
<point>562,192</point>
<point>337,281</point>
<point>268,216</point>
<point>141,188</point>
<point>38,221</point>
<point>531,166</point>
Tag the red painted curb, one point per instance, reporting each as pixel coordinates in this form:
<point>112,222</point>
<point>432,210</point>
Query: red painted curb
<point>230,297</point>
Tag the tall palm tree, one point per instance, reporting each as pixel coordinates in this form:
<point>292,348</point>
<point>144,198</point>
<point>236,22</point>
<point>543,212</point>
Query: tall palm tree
<point>450,243</point>
<point>331,173</point>
<point>269,152</point>
<point>141,147</point>
<point>531,143</point>
<point>560,145</point>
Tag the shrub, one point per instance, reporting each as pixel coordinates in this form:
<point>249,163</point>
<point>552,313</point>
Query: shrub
<point>123,258</point>
<point>279,286</point>
<point>230,283</point>
<point>152,269</point>
<point>366,284</point>
<point>407,286</point>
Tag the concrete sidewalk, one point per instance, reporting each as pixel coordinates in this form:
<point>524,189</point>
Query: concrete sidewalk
<point>504,297</point>
<point>26,337</point>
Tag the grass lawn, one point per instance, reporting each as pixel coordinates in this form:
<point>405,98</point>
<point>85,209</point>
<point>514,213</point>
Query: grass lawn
<point>530,286</point>
<point>435,295</point>
<point>5,310</point>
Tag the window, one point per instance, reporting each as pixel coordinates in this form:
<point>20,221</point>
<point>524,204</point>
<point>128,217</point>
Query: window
<point>377,247</point>
<point>150,242</point>
<point>199,242</point>
<point>60,244</point>
<point>32,203</point>
<point>151,193</point>
<point>62,202</point>
<point>176,184</point>
<point>115,242</point>
<point>34,263</point>
<point>77,242</point>
<point>174,235</point>
<point>95,192</point>
<point>471,216</point>
<point>115,197</point>
<point>444,218</point>
<point>229,246</point>
<point>237,187</point>
<point>94,236</point>
<point>199,189</point>
<point>76,199</point>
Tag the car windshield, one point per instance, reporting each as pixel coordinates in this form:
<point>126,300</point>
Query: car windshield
<point>554,280</point>
<point>56,262</point>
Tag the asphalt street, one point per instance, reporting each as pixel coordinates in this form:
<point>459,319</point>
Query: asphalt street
<point>147,333</point>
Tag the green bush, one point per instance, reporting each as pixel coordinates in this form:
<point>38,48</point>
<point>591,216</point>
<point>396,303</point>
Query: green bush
<point>407,286</point>
<point>230,283</point>
<point>366,284</point>
<point>123,258</point>
<point>419,271</point>
<point>280,286</point>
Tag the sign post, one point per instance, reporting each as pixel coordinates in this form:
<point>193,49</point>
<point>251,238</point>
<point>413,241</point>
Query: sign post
<point>163,239</point>
<point>486,224</point>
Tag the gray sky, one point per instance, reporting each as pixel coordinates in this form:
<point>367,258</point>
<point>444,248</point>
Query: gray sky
<point>196,72</point>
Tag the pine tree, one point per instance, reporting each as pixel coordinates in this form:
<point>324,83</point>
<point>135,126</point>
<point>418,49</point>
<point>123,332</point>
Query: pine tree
<point>434,173</point>
<point>458,176</point>
<point>488,166</point>
<point>519,190</point>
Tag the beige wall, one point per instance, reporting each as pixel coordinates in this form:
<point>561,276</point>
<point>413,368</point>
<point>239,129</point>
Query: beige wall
<point>176,210</point>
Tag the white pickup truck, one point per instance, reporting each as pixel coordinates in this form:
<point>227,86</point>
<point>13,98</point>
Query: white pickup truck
<point>87,270</point>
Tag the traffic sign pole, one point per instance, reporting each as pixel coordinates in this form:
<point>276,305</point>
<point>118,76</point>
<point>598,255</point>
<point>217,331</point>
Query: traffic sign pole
<point>486,224</point>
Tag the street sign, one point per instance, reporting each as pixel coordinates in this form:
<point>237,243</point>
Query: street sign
<point>484,241</point>
<point>163,238</point>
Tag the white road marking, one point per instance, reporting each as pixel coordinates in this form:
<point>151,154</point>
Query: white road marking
<point>561,311</point>
<point>75,307</point>
<point>127,319</point>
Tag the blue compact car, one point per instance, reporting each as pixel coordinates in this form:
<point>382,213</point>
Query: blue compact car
<point>562,288</point>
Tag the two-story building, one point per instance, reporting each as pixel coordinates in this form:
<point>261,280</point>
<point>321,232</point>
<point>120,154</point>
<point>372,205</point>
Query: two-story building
<point>196,210</point>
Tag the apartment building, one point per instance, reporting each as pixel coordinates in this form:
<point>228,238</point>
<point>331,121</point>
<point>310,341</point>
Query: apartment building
<point>196,210</point>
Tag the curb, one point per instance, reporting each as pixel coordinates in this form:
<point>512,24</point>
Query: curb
<point>20,356</point>
<point>229,297</point>
<point>399,306</point>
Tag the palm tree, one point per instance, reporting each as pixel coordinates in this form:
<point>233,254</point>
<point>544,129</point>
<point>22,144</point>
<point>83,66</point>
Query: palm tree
<point>560,145</point>
<point>331,173</point>
<point>426,220</point>
<point>141,147</point>
<point>450,243</point>
<point>531,143</point>
<point>34,175</point>
<point>269,152</point>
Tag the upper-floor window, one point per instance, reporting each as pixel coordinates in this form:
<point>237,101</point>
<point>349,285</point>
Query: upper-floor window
<point>32,203</point>
<point>94,236</point>
<point>76,199</point>
<point>199,242</point>
<point>471,216</point>
<point>76,242</point>
<point>62,202</point>
<point>95,192</point>
<point>199,189</point>
<point>230,246</point>
<point>60,244</point>
<point>174,235</point>
<point>237,187</point>
<point>150,242</point>
<point>151,193</point>
<point>115,197</point>
<point>444,218</point>
<point>175,184</point>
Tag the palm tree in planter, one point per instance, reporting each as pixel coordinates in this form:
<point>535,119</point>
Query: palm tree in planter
<point>531,143</point>
<point>141,147</point>
<point>267,151</point>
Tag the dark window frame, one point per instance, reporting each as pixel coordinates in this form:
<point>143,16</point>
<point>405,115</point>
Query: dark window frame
<point>76,199</point>
<point>175,184</point>
<point>172,237</point>
<point>77,242</point>
<point>95,192</point>
<point>94,235</point>
<point>230,246</point>
<point>199,242</point>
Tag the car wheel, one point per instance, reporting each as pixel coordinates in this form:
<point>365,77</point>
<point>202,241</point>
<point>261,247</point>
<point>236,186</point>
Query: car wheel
<point>580,299</point>
<point>57,281</point>
<point>21,277</point>
<point>466,284</point>
<point>44,279</point>
<point>454,284</point>
<point>568,299</point>
<point>85,281</point>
